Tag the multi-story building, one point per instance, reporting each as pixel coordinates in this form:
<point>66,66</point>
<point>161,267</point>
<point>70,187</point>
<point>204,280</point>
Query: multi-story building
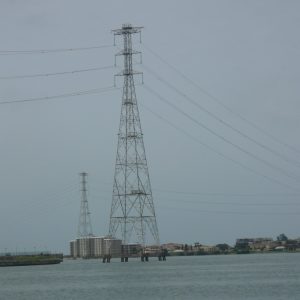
<point>95,247</point>
<point>255,244</point>
<point>130,250</point>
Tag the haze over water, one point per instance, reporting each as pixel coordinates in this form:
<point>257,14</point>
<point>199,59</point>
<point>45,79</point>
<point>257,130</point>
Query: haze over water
<point>257,276</point>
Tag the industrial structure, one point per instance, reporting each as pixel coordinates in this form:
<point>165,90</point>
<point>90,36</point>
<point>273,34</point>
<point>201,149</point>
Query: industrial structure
<point>86,245</point>
<point>84,224</point>
<point>132,215</point>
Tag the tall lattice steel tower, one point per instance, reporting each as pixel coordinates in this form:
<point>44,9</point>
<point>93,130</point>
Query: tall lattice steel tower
<point>132,215</point>
<point>84,224</point>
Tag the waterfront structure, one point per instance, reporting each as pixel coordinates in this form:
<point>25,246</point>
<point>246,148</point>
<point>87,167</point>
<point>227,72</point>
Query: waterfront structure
<point>95,247</point>
<point>30,259</point>
<point>132,215</point>
<point>84,244</point>
<point>255,243</point>
<point>131,250</point>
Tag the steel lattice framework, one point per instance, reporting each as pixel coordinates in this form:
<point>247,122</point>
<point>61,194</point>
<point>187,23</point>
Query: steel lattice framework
<point>132,214</point>
<point>84,224</point>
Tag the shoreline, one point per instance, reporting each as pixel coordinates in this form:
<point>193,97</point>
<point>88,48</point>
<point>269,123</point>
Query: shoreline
<point>30,260</point>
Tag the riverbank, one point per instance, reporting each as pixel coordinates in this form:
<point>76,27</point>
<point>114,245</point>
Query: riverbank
<point>29,260</point>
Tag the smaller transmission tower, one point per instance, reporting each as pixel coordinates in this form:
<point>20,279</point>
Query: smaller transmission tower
<point>84,225</point>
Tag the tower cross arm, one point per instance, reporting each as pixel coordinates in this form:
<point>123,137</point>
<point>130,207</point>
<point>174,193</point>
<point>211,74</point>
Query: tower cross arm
<point>124,73</point>
<point>128,52</point>
<point>127,29</point>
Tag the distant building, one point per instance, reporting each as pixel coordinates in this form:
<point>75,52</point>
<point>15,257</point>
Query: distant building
<point>95,247</point>
<point>249,241</point>
<point>172,246</point>
<point>255,244</point>
<point>131,249</point>
<point>207,249</point>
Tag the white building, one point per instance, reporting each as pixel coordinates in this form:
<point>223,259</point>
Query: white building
<point>95,247</point>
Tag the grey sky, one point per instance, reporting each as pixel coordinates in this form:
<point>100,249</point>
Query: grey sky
<point>245,53</point>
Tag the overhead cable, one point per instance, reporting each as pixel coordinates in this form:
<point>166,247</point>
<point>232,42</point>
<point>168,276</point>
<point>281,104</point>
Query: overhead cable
<point>213,194</point>
<point>56,73</point>
<point>208,194</point>
<point>73,94</point>
<point>221,137</point>
<point>217,100</point>
<point>235,203</point>
<point>195,103</point>
<point>55,50</point>
<point>271,179</point>
<point>250,213</point>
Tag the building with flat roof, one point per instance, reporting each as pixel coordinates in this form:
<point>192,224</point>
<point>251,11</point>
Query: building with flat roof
<point>95,247</point>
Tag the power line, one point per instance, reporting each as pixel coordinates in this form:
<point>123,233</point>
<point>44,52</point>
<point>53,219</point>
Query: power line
<point>214,202</point>
<point>230,194</point>
<point>288,174</point>
<point>235,203</point>
<point>260,213</point>
<point>49,210</point>
<point>210,194</point>
<point>220,136</point>
<point>56,197</point>
<point>56,73</point>
<point>273,180</point>
<point>217,100</point>
<point>73,94</point>
<point>218,195</point>
<point>45,51</point>
<point>293,162</point>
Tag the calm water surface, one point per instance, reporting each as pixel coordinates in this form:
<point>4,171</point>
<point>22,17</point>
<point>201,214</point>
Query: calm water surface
<point>257,276</point>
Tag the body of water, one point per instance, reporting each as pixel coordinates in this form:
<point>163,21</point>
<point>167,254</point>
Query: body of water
<point>255,276</point>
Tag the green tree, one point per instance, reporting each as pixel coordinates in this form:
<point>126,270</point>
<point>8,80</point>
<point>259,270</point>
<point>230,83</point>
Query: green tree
<point>282,238</point>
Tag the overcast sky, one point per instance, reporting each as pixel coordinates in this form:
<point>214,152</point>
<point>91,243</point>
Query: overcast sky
<point>244,57</point>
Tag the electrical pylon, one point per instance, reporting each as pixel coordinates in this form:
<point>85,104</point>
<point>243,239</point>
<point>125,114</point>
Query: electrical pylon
<point>84,224</point>
<point>132,215</point>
